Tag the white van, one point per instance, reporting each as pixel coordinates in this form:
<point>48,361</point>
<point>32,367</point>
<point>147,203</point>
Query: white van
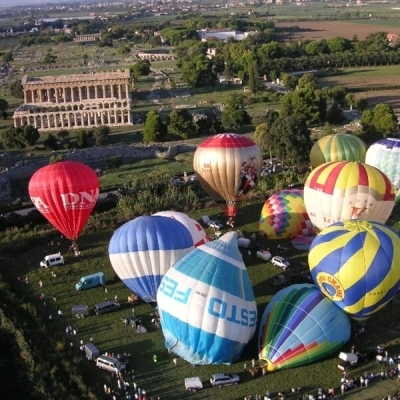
<point>109,364</point>
<point>193,384</point>
<point>51,260</point>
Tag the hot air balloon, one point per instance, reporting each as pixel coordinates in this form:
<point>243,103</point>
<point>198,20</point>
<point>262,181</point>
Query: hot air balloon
<point>284,216</point>
<point>343,190</point>
<point>228,166</point>
<point>299,326</point>
<point>385,155</point>
<point>65,193</point>
<point>206,303</point>
<point>356,264</point>
<point>338,147</point>
<point>142,250</point>
<point>196,230</point>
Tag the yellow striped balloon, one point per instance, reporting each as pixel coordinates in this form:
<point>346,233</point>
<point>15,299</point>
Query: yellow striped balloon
<point>338,147</point>
<point>357,265</point>
<point>344,190</point>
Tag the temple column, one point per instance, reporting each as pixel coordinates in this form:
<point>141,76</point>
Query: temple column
<point>80,93</point>
<point>119,92</point>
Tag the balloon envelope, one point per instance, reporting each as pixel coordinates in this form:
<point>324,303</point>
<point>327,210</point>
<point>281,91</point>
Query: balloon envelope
<point>228,166</point>
<point>206,304</point>
<point>385,155</point>
<point>343,190</point>
<point>142,250</point>
<point>65,193</point>
<point>299,326</point>
<point>356,264</point>
<point>338,147</point>
<point>284,216</point>
<point>196,230</point>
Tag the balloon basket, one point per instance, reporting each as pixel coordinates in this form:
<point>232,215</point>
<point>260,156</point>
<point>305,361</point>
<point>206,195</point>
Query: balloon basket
<point>253,372</point>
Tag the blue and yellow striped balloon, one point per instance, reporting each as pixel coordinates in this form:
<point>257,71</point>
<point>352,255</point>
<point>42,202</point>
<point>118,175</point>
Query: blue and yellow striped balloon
<point>357,265</point>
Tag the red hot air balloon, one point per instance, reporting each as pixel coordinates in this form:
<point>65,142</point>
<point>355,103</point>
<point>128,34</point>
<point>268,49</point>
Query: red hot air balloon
<point>65,193</point>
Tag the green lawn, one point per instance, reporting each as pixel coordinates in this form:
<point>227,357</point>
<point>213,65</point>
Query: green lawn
<point>164,379</point>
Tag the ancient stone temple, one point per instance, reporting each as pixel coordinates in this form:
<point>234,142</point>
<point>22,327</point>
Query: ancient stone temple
<point>75,101</point>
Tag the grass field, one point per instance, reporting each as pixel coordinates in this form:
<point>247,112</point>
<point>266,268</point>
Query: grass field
<point>110,334</point>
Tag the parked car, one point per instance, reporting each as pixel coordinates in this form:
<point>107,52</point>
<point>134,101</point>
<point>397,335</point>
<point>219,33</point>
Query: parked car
<point>280,262</point>
<point>193,384</point>
<point>177,180</point>
<point>224,379</point>
<point>280,280</point>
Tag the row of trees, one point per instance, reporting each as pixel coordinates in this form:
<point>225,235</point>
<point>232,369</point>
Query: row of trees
<point>262,52</point>
<point>27,136</point>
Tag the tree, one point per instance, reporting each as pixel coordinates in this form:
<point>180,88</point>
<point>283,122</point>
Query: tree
<point>16,89</point>
<point>361,104</point>
<point>234,115</point>
<point>3,108</point>
<point>334,114</point>
<point>101,134</point>
<point>50,58</point>
<point>307,80</point>
<point>379,122</point>
<point>83,139</point>
<point>123,50</point>
<point>198,72</point>
<point>350,100</point>
<point>180,123</point>
<point>21,137</point>
<point>51,142</point>
<point>154,129</point>
<point>8,57</point>
<point>303,104</point>
<point>30,135</point>
<point>253,77</point>
<point>291,142</point>
<point>141,68</point>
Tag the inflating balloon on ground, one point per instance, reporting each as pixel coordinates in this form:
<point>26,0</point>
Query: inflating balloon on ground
<point>142,250</point>
<point>196,230</point>
<point>299,326</point>
<point>343,190</point>
<point>284,216</point>
<point>206,304</point>
<point>228,166</point>
<point>385,155</point>
<point>338,147</point>
<point>356,264</point>
<point>65,193</point>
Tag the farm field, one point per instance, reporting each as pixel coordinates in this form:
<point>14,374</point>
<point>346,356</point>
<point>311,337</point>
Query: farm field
<point>355,78</point>
<point>316,30</point>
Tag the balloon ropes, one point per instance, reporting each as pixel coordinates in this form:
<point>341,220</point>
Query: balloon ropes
<point>65,193</point>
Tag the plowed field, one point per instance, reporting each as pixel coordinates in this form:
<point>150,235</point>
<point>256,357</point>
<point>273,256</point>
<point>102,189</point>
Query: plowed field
<point>315,30</point>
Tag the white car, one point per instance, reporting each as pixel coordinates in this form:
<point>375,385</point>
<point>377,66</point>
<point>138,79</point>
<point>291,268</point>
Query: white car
<point>280,262</point>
